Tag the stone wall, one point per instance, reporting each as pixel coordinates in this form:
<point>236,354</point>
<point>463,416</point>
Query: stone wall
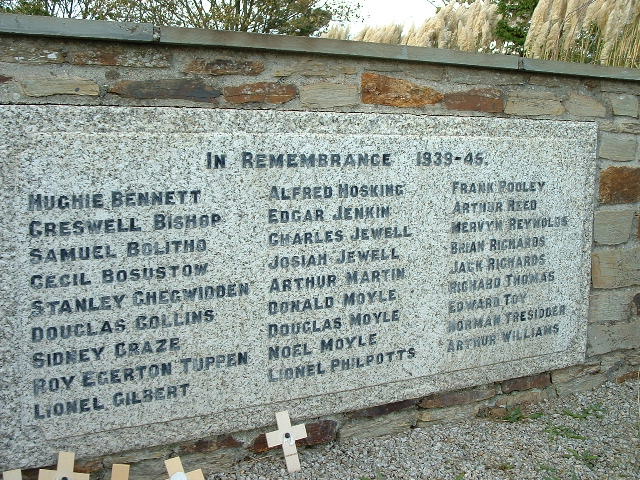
<point>94,63</point>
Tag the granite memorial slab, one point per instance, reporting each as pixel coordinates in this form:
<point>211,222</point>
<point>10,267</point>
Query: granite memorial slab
<point>192,271</point>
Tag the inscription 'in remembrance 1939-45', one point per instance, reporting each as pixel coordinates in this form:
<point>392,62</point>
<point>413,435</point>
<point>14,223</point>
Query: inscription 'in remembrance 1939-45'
<point>161,274</point>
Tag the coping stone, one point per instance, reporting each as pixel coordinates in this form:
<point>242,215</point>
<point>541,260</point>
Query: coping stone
<point>33,25</point>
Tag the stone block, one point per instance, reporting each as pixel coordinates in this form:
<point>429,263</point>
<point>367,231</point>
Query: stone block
<point>383,90</point>
<point>210,462</point>
<point>208,445</point>
<point>615,268</point>
<point>493,412</point>
<point>384,409</point>
<point>480,99</point>
<point>323,431</point>
<point>224,66</point>
<point>623,104</point>
<point>476,76</point>
<point>580,378</point>
<point>121,57</point>
<point>391,424</point>
<point>449,414</point>
<point>585,106</point>
<point>620,147</point>
<point>620,86</point>
<point>611,227</point>
<point>621,126</point>
<point>181,88</point>
<point>609,338</point>
<point>526,397</point>
<point>25,53</point>
<point>533,106</point>
<point>313,68</point>
<point>612,306</point>
<point>91,465</point>
<point>540,380</point>
<point>329,95</point>
<point>633,375</point>
<point>46,86</point>
<point>448,399</point>
<point>620,185</point>
<point>261,92</point>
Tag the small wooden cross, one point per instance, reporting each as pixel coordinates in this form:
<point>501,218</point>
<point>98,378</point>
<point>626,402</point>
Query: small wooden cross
<point>119,471</point>
<point>176,471</point>
<point>12,475</point>
<point>286,435</point>
<point>64,470</point>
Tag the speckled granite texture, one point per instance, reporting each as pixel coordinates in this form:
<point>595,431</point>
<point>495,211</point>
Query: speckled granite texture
<point>337,261</point>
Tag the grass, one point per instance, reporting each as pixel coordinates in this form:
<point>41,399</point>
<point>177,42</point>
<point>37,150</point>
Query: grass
<point>597,410</point>
<point>379,476</point>
<point>516,415</point>
<point>586,457</point>
<point>561,431</point>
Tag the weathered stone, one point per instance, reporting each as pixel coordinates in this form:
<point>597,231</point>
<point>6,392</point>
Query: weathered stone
<point>492,412</point>
<point>121,57</point>
<point>323,431</point>
<point>261,92</point>
<point>480,99</point>
<point>623,104</point>
<point>88,465</point>
<point>563,375</point>
<point>4,79</point>
<point>555,81</point>
<point>620,86</point>
<point>312,68</point>
<point>382,90</point>
<point>476,76</point>
<point>215,461</point>
<point>608,338</point>
<point>618,126</point>
<point>611,306</point>
<point>541,380</point>
<point>208,445</point>
<point>620,185</point>
<point>636,303</point>
<point>384,409</point>
<point>187,89</point>
<point>611,227</point>
<point>449,414</point>
<point>46,86</point>
<point>617,146</point>
<point>526,397</point>
<point>329,95</point>
<point>633,375</point>
<point>615,268</point>
<point>225,66</point>
<point>18,53</point>
<point>585,106</point>
<point>448,399</point>
<point>578,379</point>
<point>517,105</point>
<point>392,424</point>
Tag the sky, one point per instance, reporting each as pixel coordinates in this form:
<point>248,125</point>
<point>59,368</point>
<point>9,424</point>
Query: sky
<point>385,12</point>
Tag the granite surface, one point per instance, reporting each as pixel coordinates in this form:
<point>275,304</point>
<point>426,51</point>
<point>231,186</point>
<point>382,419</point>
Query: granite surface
<point>173,273</point>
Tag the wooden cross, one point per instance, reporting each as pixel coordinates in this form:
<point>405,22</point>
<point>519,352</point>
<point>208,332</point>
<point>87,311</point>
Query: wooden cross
<point>119,471</point>
<point>176,471</point>
<point>286,435</point>
<point>64,470</point>
<point>12,475</point>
